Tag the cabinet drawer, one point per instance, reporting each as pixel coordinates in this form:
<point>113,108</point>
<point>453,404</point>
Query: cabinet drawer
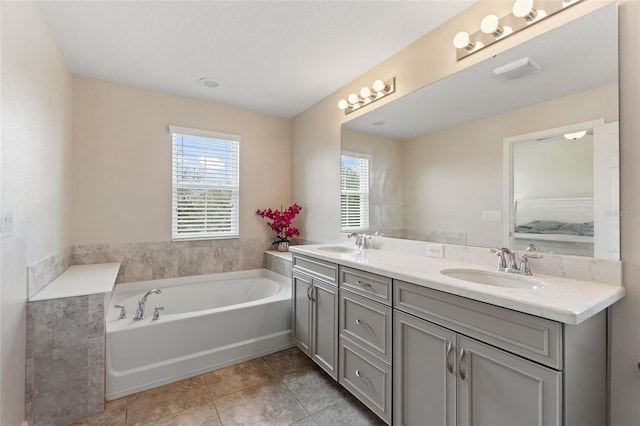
<point>326,271</point>
<point>367,284</point>
<point>367,323</point>
<point>532,337</point>
<point>368,378</point>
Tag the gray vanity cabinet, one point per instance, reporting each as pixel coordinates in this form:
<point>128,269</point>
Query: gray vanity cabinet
<point>424,390</point>
<point>460,362</point>
<point>494,388</point>
<point>366,339</point>
<point>315,311</point>
<point>301,312</point>
<point>444,378</point>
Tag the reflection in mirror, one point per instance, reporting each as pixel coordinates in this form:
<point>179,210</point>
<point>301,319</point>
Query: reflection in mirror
<point>436,168</point>
<point>561,188</point>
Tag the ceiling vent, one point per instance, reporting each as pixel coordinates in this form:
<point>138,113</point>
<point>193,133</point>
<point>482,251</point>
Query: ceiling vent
<point>517,69</point>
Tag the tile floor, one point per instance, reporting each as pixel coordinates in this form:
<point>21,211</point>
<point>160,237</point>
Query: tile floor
<point>285,388</point>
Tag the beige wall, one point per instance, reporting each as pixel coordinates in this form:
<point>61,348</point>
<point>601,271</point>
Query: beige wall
<point>316,149</point>
<point>625,359</point>
<point>122,161</point>
<point>36,176</point>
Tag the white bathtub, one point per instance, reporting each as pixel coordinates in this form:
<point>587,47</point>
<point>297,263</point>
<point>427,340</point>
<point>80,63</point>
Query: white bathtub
<point>208,322</point>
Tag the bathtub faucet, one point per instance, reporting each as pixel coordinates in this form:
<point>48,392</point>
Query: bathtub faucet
<point>142,302</point>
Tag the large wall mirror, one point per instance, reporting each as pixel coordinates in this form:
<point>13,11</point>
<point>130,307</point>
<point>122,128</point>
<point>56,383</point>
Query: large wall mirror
<point>488,159</point>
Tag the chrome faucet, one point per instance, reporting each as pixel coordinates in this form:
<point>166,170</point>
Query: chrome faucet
<point>361,239</point>
<point>507,259</point>
<point>142,302</point>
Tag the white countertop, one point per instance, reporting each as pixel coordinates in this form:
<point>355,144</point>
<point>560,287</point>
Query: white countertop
<point>564,300</point>
<point>80,280</point>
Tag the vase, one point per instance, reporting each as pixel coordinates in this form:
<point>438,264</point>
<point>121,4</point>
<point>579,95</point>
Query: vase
<point>283,246</point>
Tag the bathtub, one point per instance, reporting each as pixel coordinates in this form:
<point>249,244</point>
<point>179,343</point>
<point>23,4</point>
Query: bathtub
<point>208,322</point>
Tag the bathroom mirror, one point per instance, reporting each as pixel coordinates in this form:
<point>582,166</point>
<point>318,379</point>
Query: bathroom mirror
<point>439,164</point>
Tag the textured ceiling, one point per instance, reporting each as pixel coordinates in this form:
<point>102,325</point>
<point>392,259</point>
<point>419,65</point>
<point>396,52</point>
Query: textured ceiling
<point>275,57</point>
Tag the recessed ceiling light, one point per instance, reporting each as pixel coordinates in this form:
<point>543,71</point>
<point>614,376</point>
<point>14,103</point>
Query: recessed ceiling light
<point>209,82</point>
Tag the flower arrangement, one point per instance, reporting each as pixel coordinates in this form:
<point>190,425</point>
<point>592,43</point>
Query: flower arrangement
<point>281,222</point>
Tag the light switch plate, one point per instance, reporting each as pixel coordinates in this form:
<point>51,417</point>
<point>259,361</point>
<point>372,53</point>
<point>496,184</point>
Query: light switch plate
<point>6,224</point>
<point>435,250</point>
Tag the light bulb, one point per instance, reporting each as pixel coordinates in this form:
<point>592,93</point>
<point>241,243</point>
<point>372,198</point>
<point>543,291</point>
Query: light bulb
<point>491,25</point>
<point>461,41</point>
<point>343,104</point>
<point>365,92</point>
<point>379,86</point>
<point>353,99</point>
<point>524,9</point>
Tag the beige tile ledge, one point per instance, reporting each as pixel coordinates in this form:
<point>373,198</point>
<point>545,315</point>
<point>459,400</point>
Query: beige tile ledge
<point>562,299</point>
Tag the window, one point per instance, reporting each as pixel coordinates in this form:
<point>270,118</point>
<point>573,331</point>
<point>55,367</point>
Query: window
<point>206,187</point>
<point>354,192</point>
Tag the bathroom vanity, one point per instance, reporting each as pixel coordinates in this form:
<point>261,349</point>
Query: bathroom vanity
<point>413,344</point>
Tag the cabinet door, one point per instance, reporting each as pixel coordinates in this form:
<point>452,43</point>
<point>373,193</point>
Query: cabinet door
<point>301,312</point>
<point>424,376</point>
<point>324,334</point>
<point>496,388</point>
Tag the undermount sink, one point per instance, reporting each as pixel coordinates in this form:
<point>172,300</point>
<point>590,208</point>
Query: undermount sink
<point>496,279</point>
<point>338,249</point>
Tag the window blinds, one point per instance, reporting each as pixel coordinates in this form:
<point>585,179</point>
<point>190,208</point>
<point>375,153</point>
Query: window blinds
<point>354,191</point>
<point>206,184</point>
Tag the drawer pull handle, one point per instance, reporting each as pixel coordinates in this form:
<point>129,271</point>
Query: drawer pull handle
<point>362,323</point>
<point>364,379</point>
<point>462,367</point>
<point>448,357</point>
<point>361,284</point>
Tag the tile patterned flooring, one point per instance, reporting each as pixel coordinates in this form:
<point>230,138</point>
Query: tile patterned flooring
<point>284,388</point>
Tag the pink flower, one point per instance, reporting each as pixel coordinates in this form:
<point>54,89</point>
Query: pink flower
<point>281,221</point>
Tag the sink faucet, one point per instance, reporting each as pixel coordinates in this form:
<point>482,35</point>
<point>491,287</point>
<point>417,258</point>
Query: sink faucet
<point>507,259</point>
<point>142,302</point>
<point>361,239</point>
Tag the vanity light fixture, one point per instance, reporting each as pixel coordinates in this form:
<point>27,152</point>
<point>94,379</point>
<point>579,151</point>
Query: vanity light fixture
<point>575,135</point>
<point>462,41</point>
<point>378,90</point>
<point>493,27</point>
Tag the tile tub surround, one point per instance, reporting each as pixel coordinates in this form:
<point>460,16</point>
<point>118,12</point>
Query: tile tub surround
<point>46,270</point>
<point>284,388</point>
<point>65,359</point>
<point>565,300</point>
<point>167,259</point>
<point>278,262</point>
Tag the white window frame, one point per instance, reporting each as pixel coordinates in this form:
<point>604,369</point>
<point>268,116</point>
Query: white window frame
<point>233,186</point>
<point>365,183</point>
